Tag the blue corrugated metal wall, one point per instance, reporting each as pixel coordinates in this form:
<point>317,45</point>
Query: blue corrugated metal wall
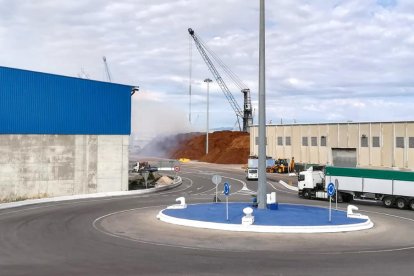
<point>39,103</point>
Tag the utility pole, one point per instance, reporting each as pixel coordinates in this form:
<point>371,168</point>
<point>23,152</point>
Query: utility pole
<point>261,192</point>
<point>208,88</point>
<point>190,51</point>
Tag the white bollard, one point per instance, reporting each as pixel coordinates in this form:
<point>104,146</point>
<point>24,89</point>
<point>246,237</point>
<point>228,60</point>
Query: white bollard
<point>351,209</point>
<point>181,200</point>
<point>350,213</point>
<point>248,219</point>
<point>273,197</point>
<point>181,204</point>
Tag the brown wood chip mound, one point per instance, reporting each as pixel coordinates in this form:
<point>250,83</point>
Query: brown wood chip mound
<point>225,147</point>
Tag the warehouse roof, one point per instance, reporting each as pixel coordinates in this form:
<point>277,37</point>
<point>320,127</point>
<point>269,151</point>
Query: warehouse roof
<point>41,103</point>
<point>338,123</point>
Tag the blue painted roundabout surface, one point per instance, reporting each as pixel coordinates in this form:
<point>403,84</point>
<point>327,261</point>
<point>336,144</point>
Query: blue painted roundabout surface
<point>288,218</point>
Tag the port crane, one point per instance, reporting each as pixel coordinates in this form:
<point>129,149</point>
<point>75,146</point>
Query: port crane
<point>108,73</point>
<point>246,113</point>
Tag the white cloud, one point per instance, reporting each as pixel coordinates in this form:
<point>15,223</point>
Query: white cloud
<point>326,60</point>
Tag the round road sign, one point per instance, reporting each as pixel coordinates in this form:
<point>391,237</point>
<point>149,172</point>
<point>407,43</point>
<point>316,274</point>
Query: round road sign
<point>216,179</point>
<point>330,189</point>
<point>226,188</point>
<point>176,168</point>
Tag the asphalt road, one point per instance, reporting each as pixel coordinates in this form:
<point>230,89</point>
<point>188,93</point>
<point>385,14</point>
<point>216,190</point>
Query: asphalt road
<point>90,237</point>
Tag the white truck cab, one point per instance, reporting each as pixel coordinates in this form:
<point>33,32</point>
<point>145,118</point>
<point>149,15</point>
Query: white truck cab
<point>311,181</point>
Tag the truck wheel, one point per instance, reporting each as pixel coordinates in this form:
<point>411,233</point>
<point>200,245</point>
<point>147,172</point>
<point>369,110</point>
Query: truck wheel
<point>388,201</point>
<point>346,197</point>
<point>411,204</point>
<point>401,203</point>
<point>306,194</point>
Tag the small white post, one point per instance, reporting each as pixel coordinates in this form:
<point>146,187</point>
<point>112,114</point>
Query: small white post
<point>227,207</point>
<point>336,194</point>
<point>336,201</point>
<point>216,192</point>
<point>330,204</point>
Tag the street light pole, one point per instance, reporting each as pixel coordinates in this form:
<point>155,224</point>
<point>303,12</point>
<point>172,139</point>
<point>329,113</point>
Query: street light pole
<point>261,191</point>
<point>208,88</point>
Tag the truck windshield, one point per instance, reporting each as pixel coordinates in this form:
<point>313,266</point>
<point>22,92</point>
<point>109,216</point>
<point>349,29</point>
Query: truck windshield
<point>301,177</point>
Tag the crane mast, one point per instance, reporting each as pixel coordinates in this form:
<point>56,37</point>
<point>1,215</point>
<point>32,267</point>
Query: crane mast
<point>246,114</point>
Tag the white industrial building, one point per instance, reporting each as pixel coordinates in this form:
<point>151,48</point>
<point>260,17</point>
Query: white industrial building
<point>365,144</point>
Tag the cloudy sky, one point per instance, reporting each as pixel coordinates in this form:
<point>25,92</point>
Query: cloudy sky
<point>339,60</point>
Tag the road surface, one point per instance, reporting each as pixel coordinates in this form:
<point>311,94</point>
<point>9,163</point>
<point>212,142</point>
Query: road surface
<point>89,237</point>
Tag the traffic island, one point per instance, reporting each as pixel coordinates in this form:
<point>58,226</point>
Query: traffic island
<point>288,218</point>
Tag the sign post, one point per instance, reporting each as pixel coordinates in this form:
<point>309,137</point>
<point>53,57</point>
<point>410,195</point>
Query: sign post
<point>176,170</point>
<point>336,198</point>
<point>331,192</point>
<point>226,193</point>
<point>216,180</point>
<point>145,175</point>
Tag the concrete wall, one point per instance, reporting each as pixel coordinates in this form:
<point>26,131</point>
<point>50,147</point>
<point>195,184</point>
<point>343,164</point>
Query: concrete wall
<point>343,136</point>
<point>33,166</point>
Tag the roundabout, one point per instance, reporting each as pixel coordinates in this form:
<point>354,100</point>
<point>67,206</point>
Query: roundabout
<point>288,218</point>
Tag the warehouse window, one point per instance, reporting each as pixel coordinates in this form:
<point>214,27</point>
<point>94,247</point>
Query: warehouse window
<point>375,142</point>
<point>364,141</point>
<point>280,141</point>
<point>411,142</point>
<point>287,141</point>
<point>323,141</point>
<point>399,142</point>
<point>257,141</point>
<point>314,141</point>
<point>304,141</point>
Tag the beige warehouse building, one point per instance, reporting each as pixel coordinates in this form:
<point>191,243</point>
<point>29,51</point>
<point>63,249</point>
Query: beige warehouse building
<point>368,144</point>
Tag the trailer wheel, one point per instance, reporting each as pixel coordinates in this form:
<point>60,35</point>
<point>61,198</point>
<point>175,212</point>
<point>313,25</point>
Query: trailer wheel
<point>306,194</point>
<point>401,203</point>
<point>388,201</point>
<point>411,204</point>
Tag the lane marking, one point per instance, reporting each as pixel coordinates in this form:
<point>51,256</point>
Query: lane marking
<point>244,187</point>
<point>282,191</point>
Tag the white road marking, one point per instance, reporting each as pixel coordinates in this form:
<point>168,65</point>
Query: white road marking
<point>282,191</point>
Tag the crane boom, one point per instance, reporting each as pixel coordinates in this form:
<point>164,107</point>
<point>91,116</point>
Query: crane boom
<point>108,74</point>
<point>246,114</point>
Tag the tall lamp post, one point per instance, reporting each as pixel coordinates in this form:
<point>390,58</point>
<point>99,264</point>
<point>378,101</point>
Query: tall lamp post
<point>207,131</point>
<point>261,191</point>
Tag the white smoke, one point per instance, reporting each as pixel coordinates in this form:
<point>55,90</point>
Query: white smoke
<point>153,117</point>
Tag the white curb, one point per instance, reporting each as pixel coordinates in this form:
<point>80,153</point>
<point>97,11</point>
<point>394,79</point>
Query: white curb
<point>177,182</point>
<point>265,228</point>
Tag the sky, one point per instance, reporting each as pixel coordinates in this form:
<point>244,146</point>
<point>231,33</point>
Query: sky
<point>326,61</point>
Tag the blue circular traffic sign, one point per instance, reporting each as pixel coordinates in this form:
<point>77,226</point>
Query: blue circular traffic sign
<point>330,189</point>
<point>226,188</point>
